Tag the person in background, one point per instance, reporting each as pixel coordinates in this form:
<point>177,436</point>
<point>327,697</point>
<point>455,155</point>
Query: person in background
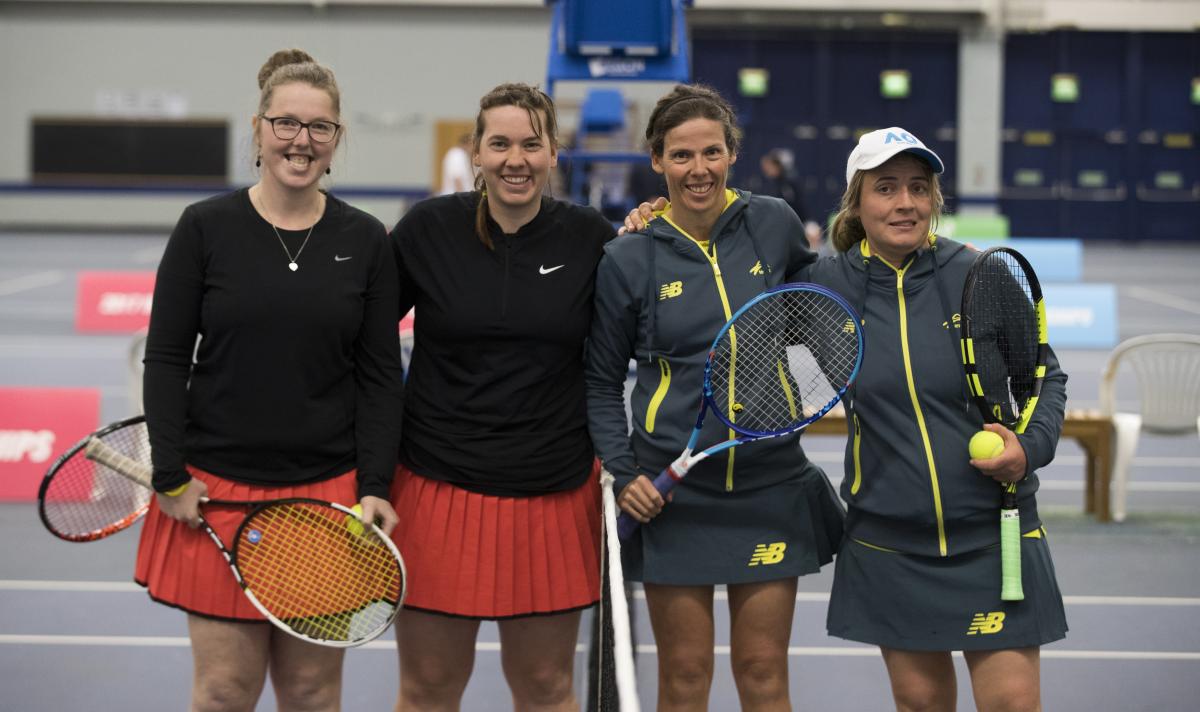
<point>458,175</point>
<point>777,178</point>
<point>752,518</point>
<point>497,488</point>
<point>293,391</point>
<point>918,573</point>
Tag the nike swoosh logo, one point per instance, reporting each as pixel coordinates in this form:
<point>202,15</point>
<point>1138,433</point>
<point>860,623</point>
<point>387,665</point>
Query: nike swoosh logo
<point>342,259</point>
<point>544,270</point>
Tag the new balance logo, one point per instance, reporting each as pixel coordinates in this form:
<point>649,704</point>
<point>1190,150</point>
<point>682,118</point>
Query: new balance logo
<point>670,290</point>
<point>768,553</point>
<point>986,623</point>
<point>848,327</point>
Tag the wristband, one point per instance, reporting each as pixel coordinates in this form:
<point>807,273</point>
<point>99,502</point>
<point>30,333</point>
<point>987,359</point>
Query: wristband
<point>177,490</point>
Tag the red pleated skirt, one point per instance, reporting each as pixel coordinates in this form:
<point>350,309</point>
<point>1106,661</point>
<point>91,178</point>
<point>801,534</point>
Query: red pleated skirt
<point>483,556</point>
<point>181,567</point>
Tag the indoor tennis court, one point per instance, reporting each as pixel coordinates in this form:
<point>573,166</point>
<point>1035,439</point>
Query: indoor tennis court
<point>1076,146</point>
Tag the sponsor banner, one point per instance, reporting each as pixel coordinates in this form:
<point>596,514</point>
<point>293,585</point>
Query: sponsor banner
<point>1054,259</point>
<point>113,301</point>
<point>36,426</point>
<point>1081,316</point>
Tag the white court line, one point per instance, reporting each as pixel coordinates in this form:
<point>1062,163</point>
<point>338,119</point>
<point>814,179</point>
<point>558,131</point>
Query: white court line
<point>720,594</point>
<point>1162,299</point>
<point>30,281</point>
<point>145,641</point>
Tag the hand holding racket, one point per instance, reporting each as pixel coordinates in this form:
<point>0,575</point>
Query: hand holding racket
<point>780,363</point>
<point>1004,350</point>
<point>311,567</point>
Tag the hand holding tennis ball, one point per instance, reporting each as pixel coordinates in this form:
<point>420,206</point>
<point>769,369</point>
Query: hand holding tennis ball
<point>354,524</point>
<point>985,445</point>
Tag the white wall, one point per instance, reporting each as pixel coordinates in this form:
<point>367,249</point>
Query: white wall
<point>399,70</point>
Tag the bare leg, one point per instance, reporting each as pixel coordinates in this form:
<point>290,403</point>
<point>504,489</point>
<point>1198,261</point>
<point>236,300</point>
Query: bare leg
<point>306,677</point>
<point>761,621</point>
<point>229,662</point>
<point>682,619</point>
<point>538,656</point>
<point>1006,680</point>
<point>921,681</point>
<point>437,654</point>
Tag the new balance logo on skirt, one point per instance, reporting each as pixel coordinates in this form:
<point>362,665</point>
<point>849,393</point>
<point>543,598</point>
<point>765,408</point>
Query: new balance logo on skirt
<point>768,553</point>
<point>31,445</point>
<point>986,623</point>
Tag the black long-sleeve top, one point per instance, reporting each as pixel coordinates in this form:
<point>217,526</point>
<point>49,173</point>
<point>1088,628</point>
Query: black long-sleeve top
<point>495,396</point>
<point>297,375</point>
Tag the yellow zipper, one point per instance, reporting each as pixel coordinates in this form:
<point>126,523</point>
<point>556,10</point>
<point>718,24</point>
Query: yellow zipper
<point>912,393</point>
<point>720,282</point>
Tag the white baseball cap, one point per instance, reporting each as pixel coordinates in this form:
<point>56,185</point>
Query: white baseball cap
<point>875,148</point>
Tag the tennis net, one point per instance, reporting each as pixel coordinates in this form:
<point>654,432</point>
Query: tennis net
<point>612,682</point>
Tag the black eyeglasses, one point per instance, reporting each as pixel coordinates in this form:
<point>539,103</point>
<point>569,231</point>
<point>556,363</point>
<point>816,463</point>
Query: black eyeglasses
<point>286,128</point>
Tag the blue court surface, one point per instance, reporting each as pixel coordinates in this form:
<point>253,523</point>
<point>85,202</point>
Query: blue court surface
<point>76,634</point>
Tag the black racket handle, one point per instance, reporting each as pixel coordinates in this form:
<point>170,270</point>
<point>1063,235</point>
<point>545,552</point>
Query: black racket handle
<point>664,483</point>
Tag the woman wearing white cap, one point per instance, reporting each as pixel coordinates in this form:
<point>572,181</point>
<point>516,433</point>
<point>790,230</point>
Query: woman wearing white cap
<point>918,572</point>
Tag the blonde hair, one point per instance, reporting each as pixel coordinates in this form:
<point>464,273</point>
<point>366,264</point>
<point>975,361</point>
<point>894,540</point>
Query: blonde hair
<point>542,117</point>
<point>846,229</point>
<point>288,66</point>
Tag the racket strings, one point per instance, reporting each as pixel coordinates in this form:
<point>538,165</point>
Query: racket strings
<point>85,500</point>
<point>1004,332</point>
<point>307,564</point>
<point>784,359</point>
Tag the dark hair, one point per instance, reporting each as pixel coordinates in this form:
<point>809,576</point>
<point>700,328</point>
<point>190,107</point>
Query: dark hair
<point>846,230</point>
<point>542,117</point>
<point>684,103</point>
<point>288,66</point>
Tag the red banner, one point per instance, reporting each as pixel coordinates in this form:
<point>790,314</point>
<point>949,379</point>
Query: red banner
<point>113,301</point>
<point>36,426</point>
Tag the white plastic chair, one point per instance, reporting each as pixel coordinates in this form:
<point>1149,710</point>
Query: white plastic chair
<point>1168,374</point>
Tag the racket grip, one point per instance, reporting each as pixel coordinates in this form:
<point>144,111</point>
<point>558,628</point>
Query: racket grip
<point>119,463</point>
<point>1010,556</point>
<point>664,483</point>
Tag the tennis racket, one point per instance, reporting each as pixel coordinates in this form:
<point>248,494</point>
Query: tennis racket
<point>1004,351</point>
<point>311,567</point>
<point>781,362</point>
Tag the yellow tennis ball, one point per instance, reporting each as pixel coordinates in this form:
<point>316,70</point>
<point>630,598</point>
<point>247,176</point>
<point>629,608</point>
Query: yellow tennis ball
<point>985,445</point>
<point>353,523</point>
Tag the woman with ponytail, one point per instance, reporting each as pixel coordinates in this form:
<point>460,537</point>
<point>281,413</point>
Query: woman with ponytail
<point>497,485</point>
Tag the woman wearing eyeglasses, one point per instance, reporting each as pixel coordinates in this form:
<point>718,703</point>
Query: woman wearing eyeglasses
<point>292,392</point>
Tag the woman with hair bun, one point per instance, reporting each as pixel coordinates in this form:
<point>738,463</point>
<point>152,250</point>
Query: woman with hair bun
<point>497,487</point>
<point>293,391</point>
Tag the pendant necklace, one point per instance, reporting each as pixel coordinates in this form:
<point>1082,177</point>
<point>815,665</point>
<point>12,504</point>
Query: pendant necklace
<point>291,260</point>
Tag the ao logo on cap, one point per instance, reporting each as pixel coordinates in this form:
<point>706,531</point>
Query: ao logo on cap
<point>901,137</point>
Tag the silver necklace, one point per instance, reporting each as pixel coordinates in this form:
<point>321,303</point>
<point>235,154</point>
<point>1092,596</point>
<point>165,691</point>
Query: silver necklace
<point>291,260</point>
